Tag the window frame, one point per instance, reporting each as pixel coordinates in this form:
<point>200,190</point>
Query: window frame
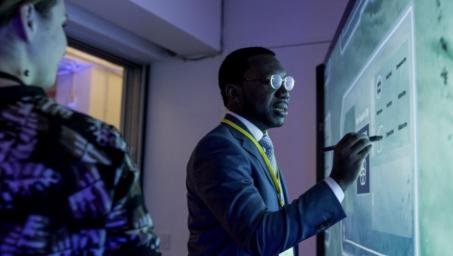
<point>134,100</point>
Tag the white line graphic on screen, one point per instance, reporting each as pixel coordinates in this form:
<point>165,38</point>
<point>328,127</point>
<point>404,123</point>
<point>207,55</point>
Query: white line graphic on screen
<point>364,248</point>
<point>352,25</point>
<point>414,116</point>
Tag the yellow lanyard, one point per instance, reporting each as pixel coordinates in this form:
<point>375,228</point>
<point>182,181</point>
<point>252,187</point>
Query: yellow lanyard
<point>272,172</point>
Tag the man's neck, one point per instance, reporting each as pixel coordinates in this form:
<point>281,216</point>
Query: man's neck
<point>257,124</point>
<point>255,130</point>
<point>251,120</point>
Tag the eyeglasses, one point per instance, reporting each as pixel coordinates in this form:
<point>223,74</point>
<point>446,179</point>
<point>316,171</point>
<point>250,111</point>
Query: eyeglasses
<point>276,81</point>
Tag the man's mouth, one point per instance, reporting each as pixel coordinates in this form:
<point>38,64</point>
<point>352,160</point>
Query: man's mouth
<point>281,108</point>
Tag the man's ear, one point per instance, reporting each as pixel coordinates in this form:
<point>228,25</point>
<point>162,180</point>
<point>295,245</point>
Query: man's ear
<point>27,22</point>
<point>234,95</point>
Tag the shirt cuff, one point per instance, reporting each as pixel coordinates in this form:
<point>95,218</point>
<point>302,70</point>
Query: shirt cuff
<point>336,189</point>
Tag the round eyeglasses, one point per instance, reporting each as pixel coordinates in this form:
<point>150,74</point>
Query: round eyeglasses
<point>276,81</point>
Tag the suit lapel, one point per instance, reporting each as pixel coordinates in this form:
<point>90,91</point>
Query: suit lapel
<point>283,182</point>
<point>248,145</point>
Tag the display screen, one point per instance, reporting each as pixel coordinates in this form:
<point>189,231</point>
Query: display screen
<point>388,73</point>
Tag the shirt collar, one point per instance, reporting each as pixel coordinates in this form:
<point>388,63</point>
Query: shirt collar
<point>255,131</point>
<point>13,93</point>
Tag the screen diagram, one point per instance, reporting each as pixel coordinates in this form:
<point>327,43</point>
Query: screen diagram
<point>380,101</point>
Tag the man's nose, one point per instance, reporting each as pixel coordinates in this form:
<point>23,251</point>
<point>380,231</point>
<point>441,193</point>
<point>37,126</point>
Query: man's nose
<point>282,92</point>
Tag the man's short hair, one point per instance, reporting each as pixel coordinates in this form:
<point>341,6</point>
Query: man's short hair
<point>235,65</point>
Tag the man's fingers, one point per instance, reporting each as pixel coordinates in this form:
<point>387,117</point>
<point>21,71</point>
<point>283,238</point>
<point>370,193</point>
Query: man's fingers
<point>346,138</point>
<point>360,144</point>
<point>365,151</point>
<point>352,142</point>
<point>359,156</point>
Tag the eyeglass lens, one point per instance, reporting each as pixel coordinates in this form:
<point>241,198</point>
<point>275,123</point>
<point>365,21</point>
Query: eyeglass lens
<point>277,81</point>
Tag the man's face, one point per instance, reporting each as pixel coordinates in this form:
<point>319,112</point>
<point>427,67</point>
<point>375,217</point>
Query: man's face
<point>263,105</point>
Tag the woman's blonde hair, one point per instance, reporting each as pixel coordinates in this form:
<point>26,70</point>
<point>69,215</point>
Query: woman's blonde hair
<point>8,8</point>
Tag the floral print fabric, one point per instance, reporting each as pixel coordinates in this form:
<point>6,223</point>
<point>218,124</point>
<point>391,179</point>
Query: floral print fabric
<point>67,184</point>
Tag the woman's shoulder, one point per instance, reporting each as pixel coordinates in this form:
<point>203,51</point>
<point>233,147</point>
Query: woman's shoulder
<point>91,129</point>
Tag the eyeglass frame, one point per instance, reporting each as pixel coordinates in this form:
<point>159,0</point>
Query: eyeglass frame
<point>269,81</point>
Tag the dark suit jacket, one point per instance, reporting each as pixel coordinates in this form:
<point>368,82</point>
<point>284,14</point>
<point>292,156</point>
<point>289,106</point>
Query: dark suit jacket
<point>233,206</point>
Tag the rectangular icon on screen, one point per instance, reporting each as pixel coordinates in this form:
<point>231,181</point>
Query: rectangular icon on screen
<point>363,181</point>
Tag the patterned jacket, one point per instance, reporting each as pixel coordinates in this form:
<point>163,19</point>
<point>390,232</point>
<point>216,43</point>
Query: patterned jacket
<point>67,184</point>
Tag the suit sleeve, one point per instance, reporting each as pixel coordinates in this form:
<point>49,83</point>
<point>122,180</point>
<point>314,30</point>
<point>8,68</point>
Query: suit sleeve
<point>222,176</point>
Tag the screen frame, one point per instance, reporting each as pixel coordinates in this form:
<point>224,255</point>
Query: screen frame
<point>320,112</point>
<point>320,164</point>
<point>347,13</point>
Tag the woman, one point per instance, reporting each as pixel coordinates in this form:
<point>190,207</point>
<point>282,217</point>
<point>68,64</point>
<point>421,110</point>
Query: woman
<point>67,184</point>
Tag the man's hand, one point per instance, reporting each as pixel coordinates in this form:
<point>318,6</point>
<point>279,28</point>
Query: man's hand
<point>349,154</point>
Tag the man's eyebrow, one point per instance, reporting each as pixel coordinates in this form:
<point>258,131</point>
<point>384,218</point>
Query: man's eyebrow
<point>271,65</point>
<point>274,68</point>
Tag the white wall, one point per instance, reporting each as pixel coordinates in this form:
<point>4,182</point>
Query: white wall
<point>185,103</point>
<point>291,22</point>
<point>92,29</point>
<point>199,18</point>
<point>186,27</point>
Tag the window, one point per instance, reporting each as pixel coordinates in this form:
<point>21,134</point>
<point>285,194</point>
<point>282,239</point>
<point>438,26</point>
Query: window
<point>90,85</point>
<point>106,87</point>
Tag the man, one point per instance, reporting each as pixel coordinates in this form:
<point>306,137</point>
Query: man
<point>237,199</point>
